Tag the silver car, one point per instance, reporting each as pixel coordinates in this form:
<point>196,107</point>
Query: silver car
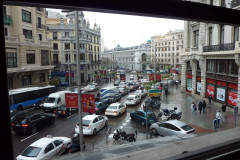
<point>132,100</point>
<point>91,87</point>
<point>140,93</point>
<point>170,128</point>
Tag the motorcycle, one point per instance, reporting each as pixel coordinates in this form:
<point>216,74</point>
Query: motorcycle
<point>153,103</point>
<point>121,134</point>
<point>170,114</point>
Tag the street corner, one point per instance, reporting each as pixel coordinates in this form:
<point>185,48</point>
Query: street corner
<point>200,130</point>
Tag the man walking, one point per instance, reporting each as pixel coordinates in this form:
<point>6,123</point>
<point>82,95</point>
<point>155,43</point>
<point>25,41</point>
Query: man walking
<point>224,107</point>
<point>200,107</point>
<point>193,108</point>
<point>210,99</point>
<point>219,117</point>
<point>166,92</point>
<point>204,106</point>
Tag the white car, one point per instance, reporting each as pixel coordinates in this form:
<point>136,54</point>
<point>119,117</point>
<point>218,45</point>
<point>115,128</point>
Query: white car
<point>46,148</point>
<point>131,77</point>
<point>140,93</point>
<point>132,100</point>
<point>91,87</point>
<point>92,124</point>
<point>122,85</point>
<point>115,109</point>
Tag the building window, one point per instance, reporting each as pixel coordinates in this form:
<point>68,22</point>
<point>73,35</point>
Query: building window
<point>222,3</point>
<point>236,34</point>
<point>5,32</point>
<point>42,77</point>
<point>211,2</point>
<point>211,64</point>
<point>4,11</point>
<point>54,35</point>
<point>10,83</point>
<point>67,58</point>
<point>67,45</point>
<point>30,58</point>
<point>26,16</point>
<point>55,58</point>
<point>210,36</point>
<point>173,48</point>
<point>177,60</point>
<point>39,22</point>
<point>221,34</point>
<point>189,68</point>
<point>196,34</point>
<point>27,33</point>
<point>11,59</point>
<point>172,60</point>
<point>74,45</point>
<point>177,54</point>
<point>168,60</point>
<point>66,34</point>
<point>27,80</point>
<point>40,37</point>
<point>233,68</point>
<point>55,46</point>
<point>221,66</point>
<point>45,57</point>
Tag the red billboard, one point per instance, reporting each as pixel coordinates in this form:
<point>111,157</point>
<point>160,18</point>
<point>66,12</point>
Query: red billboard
<point>210,90</point>
<point>71,100</point>
<point>151,77</point>
<point>88,103</point>
<point>232,98</point>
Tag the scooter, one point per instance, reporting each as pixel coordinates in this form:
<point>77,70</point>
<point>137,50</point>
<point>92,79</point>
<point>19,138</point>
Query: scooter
<point>124,136</point>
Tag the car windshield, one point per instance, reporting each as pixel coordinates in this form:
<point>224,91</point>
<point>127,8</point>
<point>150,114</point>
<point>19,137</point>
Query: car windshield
<point>51,100</point>
<point>31,151</point>
<point>130,98</point>
<point>91,86</point>
<point>151,115</point>
<point>85,122</point>
<point>186,127</point>
<point>112,107</point>
<point>130,84</point>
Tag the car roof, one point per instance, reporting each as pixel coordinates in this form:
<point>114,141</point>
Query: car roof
<point>25,114</point>
<point>90,117</point>
<point>176,123</point>
<point>44,141</point>
<point>131,95</point>
<point>115,104</point>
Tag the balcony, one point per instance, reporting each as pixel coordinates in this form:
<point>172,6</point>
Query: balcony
<point>7,20</point>
<point>235,3</point>
<point>41,26</point>
<point>221,47</point>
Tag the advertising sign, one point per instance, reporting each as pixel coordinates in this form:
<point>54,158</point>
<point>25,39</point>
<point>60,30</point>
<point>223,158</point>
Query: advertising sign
<point>71,100</point>
<point>88,103</point>
<point>198,86</point>
<point>221,94</point>
<point>155,92</point>
<point>189,85</point>
<point>151,77</point>
<point>232,98</point>
<point>210,90</point>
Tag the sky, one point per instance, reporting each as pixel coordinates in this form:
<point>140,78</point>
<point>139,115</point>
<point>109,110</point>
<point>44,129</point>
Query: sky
<point>127,30</point>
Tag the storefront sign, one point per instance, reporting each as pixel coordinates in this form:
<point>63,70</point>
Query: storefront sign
<point>232,98</point>
<point>198,86</point>
<point>88,103</point>
<point>221,94</point>
<point>211,81</point>
<point>232,85</point>
<point>210,90</point>
<point>221,83</point>
<point>198,78</point>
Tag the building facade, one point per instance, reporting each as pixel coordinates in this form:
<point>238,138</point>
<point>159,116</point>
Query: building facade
<point>62,37</point>
<point>28,51</point>
<point>130,58</point>
<point>211,59</point>
<point>168,50</point>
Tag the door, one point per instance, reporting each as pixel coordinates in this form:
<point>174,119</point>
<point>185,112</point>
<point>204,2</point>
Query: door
<point>95,124</point>
<point>36,121</point>
<point>49,151</point>
<point>59,145</point>
<point>101,122</point>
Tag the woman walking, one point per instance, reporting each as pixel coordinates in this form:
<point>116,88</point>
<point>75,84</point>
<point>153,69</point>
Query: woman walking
<point>193,108</point>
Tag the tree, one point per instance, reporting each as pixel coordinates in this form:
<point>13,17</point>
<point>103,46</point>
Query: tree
<point>106,63</point>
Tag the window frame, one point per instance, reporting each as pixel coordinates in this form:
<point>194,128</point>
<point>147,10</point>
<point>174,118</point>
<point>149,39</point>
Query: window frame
<point>26,16</point>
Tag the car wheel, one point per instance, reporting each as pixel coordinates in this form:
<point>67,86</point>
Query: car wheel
<point>34,130</point>
<point>154,131</point>
<point>94,132</point>
<point>106,123</point>
<point>52,121</point>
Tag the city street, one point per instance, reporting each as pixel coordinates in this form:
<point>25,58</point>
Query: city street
<point>65,126</point>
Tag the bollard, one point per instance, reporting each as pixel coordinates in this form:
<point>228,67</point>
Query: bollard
<point>136,133</point>
<point>93,143</point>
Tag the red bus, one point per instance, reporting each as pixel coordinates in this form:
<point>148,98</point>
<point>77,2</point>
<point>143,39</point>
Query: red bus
<point>122,75</point>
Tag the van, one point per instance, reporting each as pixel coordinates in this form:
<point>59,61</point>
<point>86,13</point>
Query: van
<point>54,101</point>
<point>110,94</point>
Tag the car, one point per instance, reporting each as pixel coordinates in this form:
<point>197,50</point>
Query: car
<point>122,84</point>
<point>100,107</point>
<point>46,148</point>
<point>28,122</point>
<point>39,104</point>
<point>116,82</point>
<point>171,127</point>
<point>123,91</point>
<point>140,93</point>
<point>138,83</point>
<point>91,87</point>
<point>132,100</point>
<point>65,111</point>
<point>132,86</point>
<point>92,124</point>
<point>134,72</point>
<point>143,117</point>
<point>131,77</point>
<point>115,109</point>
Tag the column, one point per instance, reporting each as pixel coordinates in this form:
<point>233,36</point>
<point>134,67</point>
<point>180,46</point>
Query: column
<point>237,60</point>
<point>183,76</point>
<point>194,78</point>
<point>202,65</point>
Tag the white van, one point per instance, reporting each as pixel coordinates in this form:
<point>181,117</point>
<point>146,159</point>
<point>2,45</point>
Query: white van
<point>110,94</point>
<point>55,100</point>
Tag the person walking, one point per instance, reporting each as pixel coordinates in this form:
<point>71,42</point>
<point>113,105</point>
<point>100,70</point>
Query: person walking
<point>204,106</point>
<point>210,99</point>
<point>193,107</point>
<point>219,117</point>
<point>200,106</point>
<point>224,107</point>
<point>166,92</point>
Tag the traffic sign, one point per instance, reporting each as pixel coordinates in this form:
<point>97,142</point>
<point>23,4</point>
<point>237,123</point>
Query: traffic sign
<point>154,92</point>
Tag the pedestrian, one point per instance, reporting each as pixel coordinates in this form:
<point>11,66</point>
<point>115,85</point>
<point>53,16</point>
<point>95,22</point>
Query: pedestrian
<point>210,99</point>
<point>166,92</point>
<point>204,106</point>
<point>219,117</point>
<point>200,107</point>
<point>193,108</point>
<point>224,107</point>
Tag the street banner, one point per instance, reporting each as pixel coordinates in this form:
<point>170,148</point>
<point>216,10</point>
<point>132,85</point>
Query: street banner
<point>71,100</point>
<point>88,103</point>
<point>151,76</point>
<point>232,98</point>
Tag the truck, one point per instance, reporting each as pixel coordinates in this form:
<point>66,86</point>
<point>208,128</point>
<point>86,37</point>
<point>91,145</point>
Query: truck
<point>54,101</point>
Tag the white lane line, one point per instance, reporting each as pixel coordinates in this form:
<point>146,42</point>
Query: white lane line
<point>124,124</point>
<point>127,120</point>
<point>70,116</point>
<point>28,137</point>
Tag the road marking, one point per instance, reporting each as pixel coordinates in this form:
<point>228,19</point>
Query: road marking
<point>70,116</point>
<point>128,120</point>
<point>28,137</point>
<point>124,124</point>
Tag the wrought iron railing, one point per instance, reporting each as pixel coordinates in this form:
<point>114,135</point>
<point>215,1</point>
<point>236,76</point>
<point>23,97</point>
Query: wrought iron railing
<point>221,47</point>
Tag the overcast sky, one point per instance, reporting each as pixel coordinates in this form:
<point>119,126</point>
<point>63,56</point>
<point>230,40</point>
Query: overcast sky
<point>128,30</point>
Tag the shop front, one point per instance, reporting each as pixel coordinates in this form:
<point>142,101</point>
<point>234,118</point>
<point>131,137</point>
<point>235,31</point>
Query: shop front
<point>221,91</point>
<point>232,94</point>
<point>189,83</point>
<point>211,87</point>
<point>198,85</point>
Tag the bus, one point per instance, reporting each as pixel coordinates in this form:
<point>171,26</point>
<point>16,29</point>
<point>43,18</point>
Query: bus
<point>23,98</point>
<point>122,75</point>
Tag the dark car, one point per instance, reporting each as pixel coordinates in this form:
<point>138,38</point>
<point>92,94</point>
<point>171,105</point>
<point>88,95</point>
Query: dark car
<point>27,122</point>
<point>140,116</point>
<point>100,107</point>
<point>116,83</point>
<point>39,104</point>
<point>123,91</point>
<point>64,111</point>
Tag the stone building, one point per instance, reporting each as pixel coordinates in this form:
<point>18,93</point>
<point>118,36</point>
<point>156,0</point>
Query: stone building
<point>210,60</point>
<point>27,48</point>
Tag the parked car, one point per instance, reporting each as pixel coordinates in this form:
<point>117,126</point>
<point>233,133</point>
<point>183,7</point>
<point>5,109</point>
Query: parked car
<point>143,117</point>
<point>132,100</point>
<point>115,109</point>
<point>140,93</point>
<point>39,104</point>
<point>123,91</point>
<point>132,86</point>
<point>116,82</point>
<point>27,122</point>
<point>46,148</point>
<point>171,127</point>
<point>100,107</point>
<point>131,77</point>
<point>92,124</point>
<point>91,87</point>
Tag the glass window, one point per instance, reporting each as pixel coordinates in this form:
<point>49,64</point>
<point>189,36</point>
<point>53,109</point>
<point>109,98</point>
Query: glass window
<point>221,34</point>
<point>30,58</point>
<point>55,46</point>
<point>26,16</point>
<point>31,151</point>
<point>45,57</point>
<point>67,45</point>
<point>210,36</point>
<point>49,148</point>
<point>42,77</point>
<point>211,65</point>
<point>10,83</point>
<point>5,32</point>
<point>27,33</point>
<point>233,68</point>
<point>57,142</point>
<point>27,80</point>
<point>236,34</point>
<point>196,35</point>
<point>40,37</point>
<point>35,117</point>
<point>95,120</point>
<point>11,59</point>
<point>66,34</point>
<point>54,35</point>
<point>221,66</point>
